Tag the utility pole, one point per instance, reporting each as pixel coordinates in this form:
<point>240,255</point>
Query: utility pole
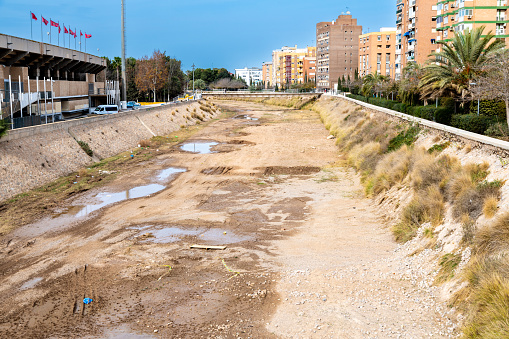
<point>193,77</point>
<point>124,81</point>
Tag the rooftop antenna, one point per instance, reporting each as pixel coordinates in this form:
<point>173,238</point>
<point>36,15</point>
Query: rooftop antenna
<point>124,82</point>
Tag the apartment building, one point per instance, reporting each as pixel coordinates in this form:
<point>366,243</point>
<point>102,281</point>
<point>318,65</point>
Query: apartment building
<point>459,15</point>
<point>292,65</point>
<point>337,44</point>
<point>252,76</point>
<point>415,32</point>
<point>377,52</point>
<point>267,74</point>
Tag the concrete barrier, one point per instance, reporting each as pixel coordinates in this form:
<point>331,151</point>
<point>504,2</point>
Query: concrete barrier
<point>501,144</point>
<point>33,156</point>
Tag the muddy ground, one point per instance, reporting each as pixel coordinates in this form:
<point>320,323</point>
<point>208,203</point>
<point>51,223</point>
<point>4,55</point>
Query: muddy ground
<point>306,255</point>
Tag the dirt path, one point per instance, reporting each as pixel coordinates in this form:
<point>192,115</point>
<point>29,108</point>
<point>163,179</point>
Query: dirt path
<point>306,255</point>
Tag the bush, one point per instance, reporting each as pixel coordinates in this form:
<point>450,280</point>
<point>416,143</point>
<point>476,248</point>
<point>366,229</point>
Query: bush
<point>4,127</point>
<point>357,97</point>
<point>498,129</point>
<point>443,115</point>
<point>405,137</point>
<point>491,108</point>
<point>471,122</point>
<point>84,146</point>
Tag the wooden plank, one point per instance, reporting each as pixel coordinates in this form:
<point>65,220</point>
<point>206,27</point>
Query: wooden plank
<point>205,247</point>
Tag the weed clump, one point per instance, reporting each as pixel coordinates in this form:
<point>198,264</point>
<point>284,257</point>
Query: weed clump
<point>86,148</point>
<point>405,137</point>
<point>448,264</point>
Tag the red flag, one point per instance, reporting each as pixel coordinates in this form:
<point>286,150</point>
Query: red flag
<point>44,20</point>
<point>65,30</point>
<point>34,17</point>
<point>59,29</point>
<point>71,32</point>
<point>81,34</point>
<point>74,35</point>
<point>88,36</point>
<point>54,24</point>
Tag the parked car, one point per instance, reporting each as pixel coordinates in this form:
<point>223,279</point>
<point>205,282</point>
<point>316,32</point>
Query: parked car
<point>106,109</point>
<point>132,105</point>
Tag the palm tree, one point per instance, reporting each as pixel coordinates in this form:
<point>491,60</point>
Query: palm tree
<point>373,82</point>
<point>458,62</point>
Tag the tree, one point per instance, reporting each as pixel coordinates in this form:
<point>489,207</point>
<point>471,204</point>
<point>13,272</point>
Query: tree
<point>199,84</point>
<point>409,91</point>
<point>458,62</point>
<point>493,82</point>
<point>151,73</point>
<point>373,83</point>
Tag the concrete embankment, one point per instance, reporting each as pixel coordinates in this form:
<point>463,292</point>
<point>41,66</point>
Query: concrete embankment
<point>33,156</point>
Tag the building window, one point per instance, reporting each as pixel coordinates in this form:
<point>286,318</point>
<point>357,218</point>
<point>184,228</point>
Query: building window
<point>379,38</point>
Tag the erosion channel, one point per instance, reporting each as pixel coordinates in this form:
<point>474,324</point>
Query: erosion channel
<point>306,254</point>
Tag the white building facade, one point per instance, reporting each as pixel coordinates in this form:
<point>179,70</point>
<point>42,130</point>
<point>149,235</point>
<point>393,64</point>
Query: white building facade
<point>252,76</point>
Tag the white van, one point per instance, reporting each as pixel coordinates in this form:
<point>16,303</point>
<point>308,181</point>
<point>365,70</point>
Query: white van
<point>106,109</point>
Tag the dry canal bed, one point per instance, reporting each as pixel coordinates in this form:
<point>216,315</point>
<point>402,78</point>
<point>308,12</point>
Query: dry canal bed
<point>305,254</point>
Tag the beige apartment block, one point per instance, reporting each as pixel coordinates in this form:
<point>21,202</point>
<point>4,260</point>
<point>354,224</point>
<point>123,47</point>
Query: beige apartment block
<point>455,16</point>
<point>377,52</point>
<point>337,44</point>
<point>267,74</point>
<point>415,32</point>
<point>291,65</point>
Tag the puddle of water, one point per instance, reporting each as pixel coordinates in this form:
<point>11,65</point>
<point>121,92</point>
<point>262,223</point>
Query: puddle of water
<point>245,117</point>
<point>30,283</point>
<point>124,332</point>
<point>199,147</point>
<point>169,235</point>
<point>165,174</point>
<point>111,198</point>
<point>214,236</point>
<point>217,236</point>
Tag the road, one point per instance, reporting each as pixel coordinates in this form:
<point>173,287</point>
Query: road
<point>306,254</point>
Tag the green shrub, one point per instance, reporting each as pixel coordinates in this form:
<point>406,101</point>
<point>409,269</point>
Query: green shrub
<point>498,129</point>
<point>443,115</point>
<point>405,137</point>
<point>491,108</point>
<point>4,127</point>
<point>86,148</point>
<point>471,122</point>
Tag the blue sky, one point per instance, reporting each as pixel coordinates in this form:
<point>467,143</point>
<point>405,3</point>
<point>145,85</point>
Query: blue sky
<point>208,33</point>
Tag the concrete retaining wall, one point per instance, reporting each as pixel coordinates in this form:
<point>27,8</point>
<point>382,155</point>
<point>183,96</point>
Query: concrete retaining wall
<point>33,156</point>
<point>502,145</point>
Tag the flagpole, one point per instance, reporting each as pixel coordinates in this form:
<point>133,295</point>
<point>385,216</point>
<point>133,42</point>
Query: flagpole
<point>63,34</point>
<point>75,39</point>
<point>85,42</point>
<point>59,33</point>
<point>42,38</point>
<point>31,27</point>
<point>80,40</point>
<point>50,31</point>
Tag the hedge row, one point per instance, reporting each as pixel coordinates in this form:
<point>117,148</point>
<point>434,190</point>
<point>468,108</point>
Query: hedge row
<point>491,113</point>
<point>441,114</point>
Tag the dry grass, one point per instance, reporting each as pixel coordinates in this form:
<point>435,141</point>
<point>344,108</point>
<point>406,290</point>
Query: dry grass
<point>427,206</point>
<point>392,169</point>
<point>145,143</point>
<point>490,206</point>
<point>429,170</point>
<point>448,264</point>
<point>488,296</point>
<point>495,237</point>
